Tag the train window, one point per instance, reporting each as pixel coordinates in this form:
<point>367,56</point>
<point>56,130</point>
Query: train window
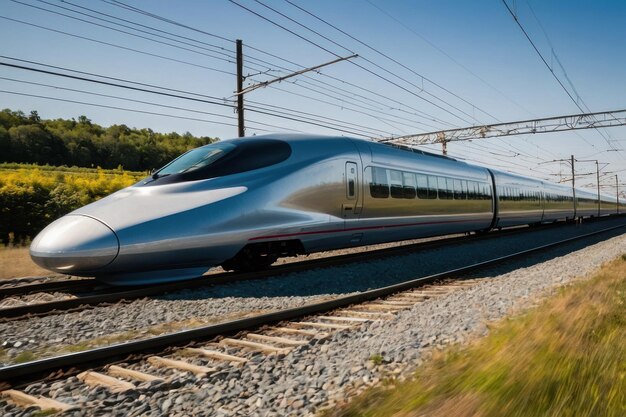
<point>458,189</point>
<point>351,177</point>
<point>379,186</point>
<point>464,190</point>
<point>444,193</point>
<point>422,186</point>
<point>449,187</point>
<point>196,159</point>
<point>473,190</point>
<point>441,185</point>
<point>395,180</point>
<point>408,184</point>
<point>486,192</point>
<point>432,187</point>
<point>221,159</point>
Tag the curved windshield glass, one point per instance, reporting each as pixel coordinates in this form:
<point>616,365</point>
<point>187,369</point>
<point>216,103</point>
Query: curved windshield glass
<point>222,158</point>
<point>195,159</point>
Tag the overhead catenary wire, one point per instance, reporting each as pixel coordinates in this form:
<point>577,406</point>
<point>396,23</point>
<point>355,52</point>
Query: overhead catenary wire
<point>210,46</point>
<point>125,32</point>
<point>179,96</point>
<point>447,55</point>
<point>384,120</point>
<point>392,60</point>
<point>56,87</point>
<point>363,99</point>
<point>84,103</point>
<point>155,16</point>
<point>345,104</point>
<point>42,1</point>
<point>352,62</point>
<point>229,58</point>
<point>567,78</point>
<point>179,24</point>
<point>364,58</point>
<point>117,46</point>
<point>532,43</point>
<point>315,79</point>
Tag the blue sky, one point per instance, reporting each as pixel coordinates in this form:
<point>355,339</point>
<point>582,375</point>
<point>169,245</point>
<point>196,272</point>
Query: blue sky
<point>473,49</point>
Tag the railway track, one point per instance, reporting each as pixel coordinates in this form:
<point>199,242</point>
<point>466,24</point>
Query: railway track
<point>79,294</point>
<point>208,351</point>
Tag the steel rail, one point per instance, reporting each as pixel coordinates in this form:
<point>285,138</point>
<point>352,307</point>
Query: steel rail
<point>116,294</point>
<point>72,363</point>
<point>57,285</point>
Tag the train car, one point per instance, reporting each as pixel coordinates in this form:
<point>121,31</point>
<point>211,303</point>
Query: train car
<point>243,203</point>
<point>520,200</point>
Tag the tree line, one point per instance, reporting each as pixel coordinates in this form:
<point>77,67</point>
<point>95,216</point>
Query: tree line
<point>30,139</point>
<point>32,196</point>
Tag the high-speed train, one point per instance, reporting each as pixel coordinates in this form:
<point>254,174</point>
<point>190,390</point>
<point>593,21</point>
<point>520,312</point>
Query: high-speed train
<point>243,203</point>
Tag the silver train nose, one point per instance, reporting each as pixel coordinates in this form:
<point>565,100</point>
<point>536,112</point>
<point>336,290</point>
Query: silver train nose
<point>75,243</point>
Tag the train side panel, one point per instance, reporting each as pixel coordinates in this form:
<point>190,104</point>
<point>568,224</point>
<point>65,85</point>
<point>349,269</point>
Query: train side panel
<point>408,195</point>
<point>519,200</point>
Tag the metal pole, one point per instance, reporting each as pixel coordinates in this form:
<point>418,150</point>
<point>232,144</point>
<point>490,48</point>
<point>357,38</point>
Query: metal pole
<point>617,192</point>
<point>242,132</point>
<point>598,178</point>
<point>573,185</point>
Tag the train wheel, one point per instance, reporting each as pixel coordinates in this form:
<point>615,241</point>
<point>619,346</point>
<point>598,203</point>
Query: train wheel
<point>247,261</point>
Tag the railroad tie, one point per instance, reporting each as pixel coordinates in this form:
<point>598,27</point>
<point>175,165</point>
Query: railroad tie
<point>301,332</point>
<point>347,319</point>
<point>321,325</point>
<point>214,354</point>
<point>413,296</point>
<point>94,379</point>
<point>160,362</point>
<point>22,399</point>
<point>379,307</point>
<point>397,303</point>
<point>368,314</point>
<point>430,292</point>
<point>275,339</point>
<point>261,347</point>
<point>115,370</point>
<point>407,298</point>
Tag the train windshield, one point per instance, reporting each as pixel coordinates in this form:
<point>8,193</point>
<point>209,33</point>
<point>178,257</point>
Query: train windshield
<point>222,158</point>
<point>195,159</point>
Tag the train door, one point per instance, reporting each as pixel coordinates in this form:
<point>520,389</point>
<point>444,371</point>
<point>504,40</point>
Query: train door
<point>351,208</point>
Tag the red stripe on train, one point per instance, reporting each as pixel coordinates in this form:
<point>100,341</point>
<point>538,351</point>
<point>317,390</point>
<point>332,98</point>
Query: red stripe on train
<point>358,228</point>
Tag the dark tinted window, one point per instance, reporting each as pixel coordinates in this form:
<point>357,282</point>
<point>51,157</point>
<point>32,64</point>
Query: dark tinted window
<point>395,179</point>
<point>458,190</point>
<point>422,186</point>
<point>379,187</point>
<point>221,159</point>
<point>432,187</point>
<point>408,185</point>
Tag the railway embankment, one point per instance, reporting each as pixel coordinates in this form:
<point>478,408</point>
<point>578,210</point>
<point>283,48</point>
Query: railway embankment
<point>103,325</point>
<point>326,372</point>
<point>564,358</point>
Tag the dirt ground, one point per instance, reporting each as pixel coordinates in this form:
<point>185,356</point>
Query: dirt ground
<point>16,263</point>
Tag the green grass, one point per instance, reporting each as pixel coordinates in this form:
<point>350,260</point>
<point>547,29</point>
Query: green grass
<point>566,358</point>
<point>376,359</point>
<point>25,356</point>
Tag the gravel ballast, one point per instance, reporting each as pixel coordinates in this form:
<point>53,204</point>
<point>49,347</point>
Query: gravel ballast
<point>325,372</point>
<point>145,317</point>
